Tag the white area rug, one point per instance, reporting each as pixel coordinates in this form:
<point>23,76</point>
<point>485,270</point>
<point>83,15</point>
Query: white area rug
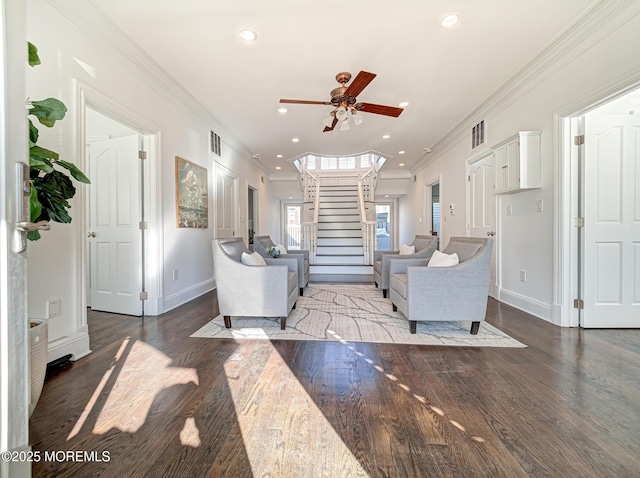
<point>354,313</point>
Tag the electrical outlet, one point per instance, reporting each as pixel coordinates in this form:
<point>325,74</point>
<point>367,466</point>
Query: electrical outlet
<point>509,210</point>
<point>175,274</point>
<point>539,205</point>
<point>523,276</point>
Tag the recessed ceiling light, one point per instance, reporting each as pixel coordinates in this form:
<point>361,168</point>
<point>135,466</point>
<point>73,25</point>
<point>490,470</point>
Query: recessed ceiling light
<point>278,167</point>
<point>449,20</point>
<point>282,110</point>
<point>400,152</point>
<point>403,104</point>
<point>401,164</point>
<point>248,35</point>
<point>278,155</point>
<point>386,195</point>
<point>295,140</point>
<point>386,136</point>
<point>290,197</point>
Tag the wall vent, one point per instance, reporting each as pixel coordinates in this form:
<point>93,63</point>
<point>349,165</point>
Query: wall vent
<point>215,144</point>
<point>477,135</point>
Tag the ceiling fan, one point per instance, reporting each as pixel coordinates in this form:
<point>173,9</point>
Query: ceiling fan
<point>343,99</point>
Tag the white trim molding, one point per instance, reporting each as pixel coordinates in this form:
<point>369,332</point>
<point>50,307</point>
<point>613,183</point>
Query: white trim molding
<point>531,306</point>
<point>182,297</point>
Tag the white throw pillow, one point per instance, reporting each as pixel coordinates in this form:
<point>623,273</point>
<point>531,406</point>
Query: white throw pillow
<point>254,259</point>
<point>406,250</point>
<point>440,259</point>
<point>281,248</point>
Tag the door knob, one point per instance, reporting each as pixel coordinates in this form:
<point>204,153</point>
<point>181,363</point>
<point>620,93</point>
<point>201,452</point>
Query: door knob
<point>91,234</point>
<point>491,233</point>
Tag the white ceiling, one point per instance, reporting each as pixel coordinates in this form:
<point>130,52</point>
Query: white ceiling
<point>443,73</point>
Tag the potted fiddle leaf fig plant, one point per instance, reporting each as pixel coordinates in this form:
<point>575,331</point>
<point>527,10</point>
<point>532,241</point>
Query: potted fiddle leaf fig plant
<point>51,186</point>
<point>51,189</point>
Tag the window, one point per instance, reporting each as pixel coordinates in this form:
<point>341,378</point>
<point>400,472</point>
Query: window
<point>347,163</point>
<point>328,163</point>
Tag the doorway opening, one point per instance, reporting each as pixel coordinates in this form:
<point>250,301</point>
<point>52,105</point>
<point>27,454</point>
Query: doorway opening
<point>384,226</point>
<point>114,263</point>
<point>252,214</point>
<point>432,223</point>
<point>608,175</point>
<point>292,215</point>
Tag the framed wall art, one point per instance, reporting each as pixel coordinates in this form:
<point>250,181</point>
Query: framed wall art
<point>192,195</point>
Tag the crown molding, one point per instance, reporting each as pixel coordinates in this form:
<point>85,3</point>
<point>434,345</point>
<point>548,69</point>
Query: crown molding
<point>604,17</point>
<point>95,24</point>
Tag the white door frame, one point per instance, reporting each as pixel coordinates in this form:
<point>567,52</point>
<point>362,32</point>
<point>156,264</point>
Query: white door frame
<point>565,208</point>
<point>497,286</point>
<point>427,208</point>
<point>256,210</point>
<point>14,360</point>
<point>153,260</point>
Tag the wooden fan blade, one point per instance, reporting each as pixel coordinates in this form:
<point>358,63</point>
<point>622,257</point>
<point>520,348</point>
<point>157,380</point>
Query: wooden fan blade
<point>379,109</point>
<point>359,83</point>
<point>326,128</point>
<point>306,102</point>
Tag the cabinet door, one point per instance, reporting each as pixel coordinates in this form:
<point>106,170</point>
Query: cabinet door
<point>513,164</point>
<point>501,167</point>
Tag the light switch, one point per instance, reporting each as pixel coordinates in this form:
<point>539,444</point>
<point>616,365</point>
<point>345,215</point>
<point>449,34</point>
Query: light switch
<point>539,205</point>
<point>509,210</point>
<point>53,308</point>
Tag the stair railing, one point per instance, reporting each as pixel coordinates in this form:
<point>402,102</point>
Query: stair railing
<point>311,185</point>
<point>368,227</point>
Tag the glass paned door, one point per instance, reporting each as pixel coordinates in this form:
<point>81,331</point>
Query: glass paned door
<point>383,227</point>
<point>293,230</point>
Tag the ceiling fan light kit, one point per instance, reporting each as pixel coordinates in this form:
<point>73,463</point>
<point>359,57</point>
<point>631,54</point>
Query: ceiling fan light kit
<point>343,98</point>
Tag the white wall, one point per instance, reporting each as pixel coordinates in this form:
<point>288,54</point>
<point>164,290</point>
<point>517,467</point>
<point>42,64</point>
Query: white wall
<point>72,59</point>
<point>586,73</point>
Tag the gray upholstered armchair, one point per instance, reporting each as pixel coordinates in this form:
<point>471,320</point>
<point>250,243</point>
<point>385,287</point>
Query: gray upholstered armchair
<point>425,245</point>
<point>260,243</point>
<point>253,291</point>
<point>452,293</point>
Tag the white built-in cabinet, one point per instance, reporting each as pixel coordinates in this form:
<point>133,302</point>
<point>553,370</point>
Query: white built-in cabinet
<point>517,163</point>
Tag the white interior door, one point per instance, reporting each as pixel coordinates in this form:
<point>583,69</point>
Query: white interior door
<point>225,203</point>
<point>114,235</point>
<point>482,208</point>
<point>611,233</point>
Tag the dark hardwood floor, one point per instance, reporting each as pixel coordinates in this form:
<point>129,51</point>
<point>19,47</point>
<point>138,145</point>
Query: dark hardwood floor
<point>151,401</point>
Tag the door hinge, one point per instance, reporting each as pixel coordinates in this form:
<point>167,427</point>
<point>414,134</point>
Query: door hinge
<point>469,178</point>
<point>578,140</point>
<point>578,304</point>
<point>144,295</point>
<point>142,155</point>
<point>142,225</point>
<point>579,221</point>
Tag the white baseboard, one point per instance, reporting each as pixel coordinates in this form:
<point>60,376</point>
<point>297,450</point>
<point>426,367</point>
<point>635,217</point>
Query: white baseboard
<point>530,306</point>
<point>76,344</point>
<point>175,300</point>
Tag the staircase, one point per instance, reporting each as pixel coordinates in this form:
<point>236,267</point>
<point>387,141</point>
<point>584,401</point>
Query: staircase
<point>339,252</point>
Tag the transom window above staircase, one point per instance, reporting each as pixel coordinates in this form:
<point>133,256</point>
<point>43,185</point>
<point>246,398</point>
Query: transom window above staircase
<point>313,162</point>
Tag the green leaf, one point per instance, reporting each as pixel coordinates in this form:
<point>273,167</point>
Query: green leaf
<point>75,171</point>
<point>39,164</point>
<point>53,191</point>
<point>34,59</point>
<point>33,235</point>
<point>48,111</point>
<point>59,184</point>
<point>33,134</point>
<point>34,205</point>
<point>43,153</point>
